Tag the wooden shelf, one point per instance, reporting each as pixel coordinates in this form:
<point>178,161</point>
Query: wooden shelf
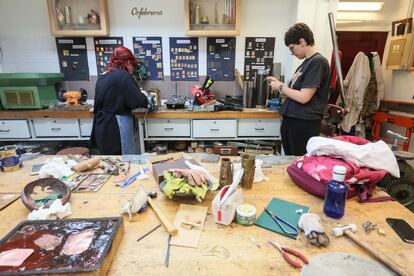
<point>72,20</point>
<point>228,10</point>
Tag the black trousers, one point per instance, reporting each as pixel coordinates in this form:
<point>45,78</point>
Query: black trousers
<point>296,133</point>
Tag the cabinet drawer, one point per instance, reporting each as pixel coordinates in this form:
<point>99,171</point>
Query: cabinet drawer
<point>168,128</point>
<point>56,127</point>
<point>259,127</point>
<point>14,129</point>
<point>214,128</point>
<point>85,127</point>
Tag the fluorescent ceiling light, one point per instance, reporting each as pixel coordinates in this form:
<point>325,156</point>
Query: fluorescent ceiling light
<point>360,6</point>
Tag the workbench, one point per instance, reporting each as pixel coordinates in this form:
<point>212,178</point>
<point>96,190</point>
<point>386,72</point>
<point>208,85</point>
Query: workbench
<point>162,125</point>
<point>222,250</point>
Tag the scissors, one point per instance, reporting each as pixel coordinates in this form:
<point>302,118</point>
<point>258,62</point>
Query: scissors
<point>277,219</point>
<point>285,251</point>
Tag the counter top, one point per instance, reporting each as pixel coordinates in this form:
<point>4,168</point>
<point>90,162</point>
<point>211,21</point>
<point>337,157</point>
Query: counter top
<point>222,250</point>
<point>161,114</point>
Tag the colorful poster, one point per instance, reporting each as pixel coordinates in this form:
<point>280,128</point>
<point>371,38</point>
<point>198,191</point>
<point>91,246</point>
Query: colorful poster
<point>259,53</point>
<point>73,58</point>
<point>184,58</point>
<point>221,55</point>
<point>104,47</point>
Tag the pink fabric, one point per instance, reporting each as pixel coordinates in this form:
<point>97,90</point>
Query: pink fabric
<point>312,174</point>
<point>321,167</point>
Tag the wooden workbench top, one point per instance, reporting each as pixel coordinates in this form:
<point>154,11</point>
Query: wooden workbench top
<point>222,250</point>
<point>161,114</point>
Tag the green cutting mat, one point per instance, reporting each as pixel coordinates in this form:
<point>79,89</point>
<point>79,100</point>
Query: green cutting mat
<point>285,210</point>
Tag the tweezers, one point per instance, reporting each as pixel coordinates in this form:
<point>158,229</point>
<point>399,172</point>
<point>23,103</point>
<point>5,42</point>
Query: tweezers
<point>277,219</point>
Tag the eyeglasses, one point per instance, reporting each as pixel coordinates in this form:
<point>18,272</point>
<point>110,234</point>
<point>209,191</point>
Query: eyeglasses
<point>292,48</point>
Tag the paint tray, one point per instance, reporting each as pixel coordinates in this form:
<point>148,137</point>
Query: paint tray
<point>95,260</point>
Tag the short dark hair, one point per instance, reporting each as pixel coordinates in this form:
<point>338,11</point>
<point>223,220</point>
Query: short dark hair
<point>298,31</point>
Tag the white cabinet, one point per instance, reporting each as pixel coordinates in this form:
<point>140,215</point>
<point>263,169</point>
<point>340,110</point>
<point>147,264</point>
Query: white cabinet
<point>85,127</point>
<point>168,128</point>
<point>259,128</point>
<point>14,129</point>
<point>215,128</point>
<point>56,127</point>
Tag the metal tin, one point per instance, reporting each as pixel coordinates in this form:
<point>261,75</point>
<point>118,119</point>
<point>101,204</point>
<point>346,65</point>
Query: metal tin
<point>246,214</point>
<point>9,159</point>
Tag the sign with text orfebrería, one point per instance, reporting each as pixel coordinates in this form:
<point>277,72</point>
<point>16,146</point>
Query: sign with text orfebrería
<point>139,12</point>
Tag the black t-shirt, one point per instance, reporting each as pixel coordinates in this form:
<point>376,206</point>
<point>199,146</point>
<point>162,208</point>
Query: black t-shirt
<point>117,92</point>
<point>312,73</point>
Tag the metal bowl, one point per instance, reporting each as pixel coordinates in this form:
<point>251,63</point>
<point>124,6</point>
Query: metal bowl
<point>55,186</point>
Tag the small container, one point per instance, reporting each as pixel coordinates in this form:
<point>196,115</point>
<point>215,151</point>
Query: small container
<point>336,193</point>
<point>245,214</point>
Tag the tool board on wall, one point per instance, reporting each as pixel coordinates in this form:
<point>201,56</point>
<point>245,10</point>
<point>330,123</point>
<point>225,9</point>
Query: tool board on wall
<point>104,47</point>
<point>73,58</point>
<point>221,54</point>
<point>184,58</point>
<point>258,55</point>
<point>149,50</point>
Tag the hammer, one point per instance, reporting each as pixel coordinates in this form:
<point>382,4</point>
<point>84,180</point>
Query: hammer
<point>172,230</point>
<point>349,230</point>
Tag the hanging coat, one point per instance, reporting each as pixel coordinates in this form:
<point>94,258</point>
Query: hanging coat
<point>378,75</point>
<point>355,83</point>
<point>116,94</point>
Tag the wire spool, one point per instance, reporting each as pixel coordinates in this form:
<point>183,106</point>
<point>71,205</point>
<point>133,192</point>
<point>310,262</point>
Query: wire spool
<point>10,160</point>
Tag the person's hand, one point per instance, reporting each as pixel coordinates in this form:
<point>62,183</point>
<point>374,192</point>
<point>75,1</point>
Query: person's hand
<point>144,92</point>
<point>194,177</point>
<point>273,82</point>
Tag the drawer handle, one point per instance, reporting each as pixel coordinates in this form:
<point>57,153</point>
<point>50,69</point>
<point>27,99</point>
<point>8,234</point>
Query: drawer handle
<point>56,128</point>
<point>168,128</point>
<point>259,129</point>
<point>389,120</point>
<point>5,130</point>
<point>214,129</point>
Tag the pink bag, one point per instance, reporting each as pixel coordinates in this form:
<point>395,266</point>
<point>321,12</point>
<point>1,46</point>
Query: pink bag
<point>312,174</point>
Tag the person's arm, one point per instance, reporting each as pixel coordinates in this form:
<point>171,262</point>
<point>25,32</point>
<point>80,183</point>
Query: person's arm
<point>310,84</point>
<point>302,96</point>
<point>133,95</point>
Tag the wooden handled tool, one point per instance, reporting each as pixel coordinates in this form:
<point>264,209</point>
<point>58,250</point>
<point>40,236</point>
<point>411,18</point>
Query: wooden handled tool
<point>349,230</point>
<point>384,259</point>
<point>87,165</point>
<point>164,220</point>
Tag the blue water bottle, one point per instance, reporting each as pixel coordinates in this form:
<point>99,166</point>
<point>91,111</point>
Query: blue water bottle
<point>335,197</point>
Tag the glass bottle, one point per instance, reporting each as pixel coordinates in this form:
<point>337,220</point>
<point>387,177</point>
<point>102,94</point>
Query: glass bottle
<point>335,197</point>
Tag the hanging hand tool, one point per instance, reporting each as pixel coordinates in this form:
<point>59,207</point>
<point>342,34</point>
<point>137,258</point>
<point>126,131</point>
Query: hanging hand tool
<point>285,251</point>
<point>277,219</point>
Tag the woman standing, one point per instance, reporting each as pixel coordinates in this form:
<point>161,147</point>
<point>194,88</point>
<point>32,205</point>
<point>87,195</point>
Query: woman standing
<point>307,91</point>
<point>116,94</point>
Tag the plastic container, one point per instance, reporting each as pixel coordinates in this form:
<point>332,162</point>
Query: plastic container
<point>335,197</point>
<point>246,214</point>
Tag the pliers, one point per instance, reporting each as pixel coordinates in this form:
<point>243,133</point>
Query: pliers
<point>277,219</point>
<point>285,251</point>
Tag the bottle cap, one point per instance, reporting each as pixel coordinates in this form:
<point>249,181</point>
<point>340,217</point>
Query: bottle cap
<point>338,169</point>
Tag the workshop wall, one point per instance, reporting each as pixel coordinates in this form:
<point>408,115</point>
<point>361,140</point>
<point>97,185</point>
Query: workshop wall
<point>28,46</point>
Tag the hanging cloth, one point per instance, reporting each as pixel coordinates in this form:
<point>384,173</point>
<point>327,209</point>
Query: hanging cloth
<point>355,84</point>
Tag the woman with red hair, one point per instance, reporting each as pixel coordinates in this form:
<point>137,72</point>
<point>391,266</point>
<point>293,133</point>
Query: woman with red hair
<point>116,94</point>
